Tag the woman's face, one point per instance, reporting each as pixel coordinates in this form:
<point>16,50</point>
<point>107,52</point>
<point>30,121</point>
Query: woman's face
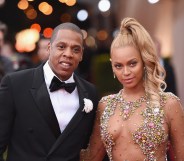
<point>128,66</point>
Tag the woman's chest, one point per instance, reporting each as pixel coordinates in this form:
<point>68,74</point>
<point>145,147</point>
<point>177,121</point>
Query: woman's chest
<point>145,127</point>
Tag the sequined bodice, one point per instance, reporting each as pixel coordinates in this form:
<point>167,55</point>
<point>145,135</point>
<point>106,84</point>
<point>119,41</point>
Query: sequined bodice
<point>148,136</point>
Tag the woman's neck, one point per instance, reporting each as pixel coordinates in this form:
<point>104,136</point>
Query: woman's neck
<point>133,93</point>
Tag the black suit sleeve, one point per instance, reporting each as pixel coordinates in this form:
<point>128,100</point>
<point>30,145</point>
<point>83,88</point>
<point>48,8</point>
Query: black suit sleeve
<point>6,115</point>
<point>170,78</point>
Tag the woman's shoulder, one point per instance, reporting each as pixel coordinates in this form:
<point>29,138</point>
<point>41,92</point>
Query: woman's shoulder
<point>168,98</point>
<point>173,108</point>
<point>108,98</point>
<point>170,101</point>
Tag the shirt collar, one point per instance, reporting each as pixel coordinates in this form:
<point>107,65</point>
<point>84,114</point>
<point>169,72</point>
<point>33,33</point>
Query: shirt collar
<point>49,74</point>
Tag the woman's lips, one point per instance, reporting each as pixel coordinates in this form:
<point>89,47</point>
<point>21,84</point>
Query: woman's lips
<point>129,80</point>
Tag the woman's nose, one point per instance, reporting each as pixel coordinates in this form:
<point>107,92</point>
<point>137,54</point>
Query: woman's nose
<point>126,71</point>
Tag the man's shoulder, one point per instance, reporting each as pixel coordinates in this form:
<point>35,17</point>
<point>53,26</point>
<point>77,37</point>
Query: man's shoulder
<point>4,59</point>
<point>21,72</point>
<point>21,75</point>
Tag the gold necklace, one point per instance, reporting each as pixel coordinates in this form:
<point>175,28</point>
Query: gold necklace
<point>127,108</point>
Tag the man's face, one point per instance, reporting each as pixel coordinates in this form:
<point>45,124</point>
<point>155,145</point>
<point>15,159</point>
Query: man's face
<point>1,39</point>
<point>65,53</point>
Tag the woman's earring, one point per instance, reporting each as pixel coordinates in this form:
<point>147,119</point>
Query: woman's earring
<point>114,75</point>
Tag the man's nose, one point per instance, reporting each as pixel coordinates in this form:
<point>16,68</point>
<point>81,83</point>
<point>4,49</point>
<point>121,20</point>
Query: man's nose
<point>68,52</point>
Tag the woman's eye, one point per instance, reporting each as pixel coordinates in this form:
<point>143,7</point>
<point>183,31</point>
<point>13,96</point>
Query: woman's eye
<point>132,64</point>
<point>118,66</point>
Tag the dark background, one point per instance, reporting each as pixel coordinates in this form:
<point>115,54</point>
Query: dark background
<point>16,19</point>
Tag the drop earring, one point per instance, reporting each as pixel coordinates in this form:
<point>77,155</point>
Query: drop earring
<point>114,75</point>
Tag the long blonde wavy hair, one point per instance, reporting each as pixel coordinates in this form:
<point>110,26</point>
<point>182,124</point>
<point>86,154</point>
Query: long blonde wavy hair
<point>132,33</point>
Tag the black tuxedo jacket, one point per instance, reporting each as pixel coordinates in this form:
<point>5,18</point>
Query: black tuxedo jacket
<point>170,78</point>
<point>28,124</point>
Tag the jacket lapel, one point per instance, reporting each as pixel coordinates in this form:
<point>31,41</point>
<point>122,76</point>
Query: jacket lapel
<point>76,118</point>
<point>42,99</point>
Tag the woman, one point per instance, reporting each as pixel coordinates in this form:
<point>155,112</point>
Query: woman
<point>139,122</point>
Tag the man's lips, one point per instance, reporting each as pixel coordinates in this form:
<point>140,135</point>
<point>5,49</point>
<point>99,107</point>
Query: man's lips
<point>65,65</point>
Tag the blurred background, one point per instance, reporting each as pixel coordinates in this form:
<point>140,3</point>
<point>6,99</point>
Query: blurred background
<point>29,21</point>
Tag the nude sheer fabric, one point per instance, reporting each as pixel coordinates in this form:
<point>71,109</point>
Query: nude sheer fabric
<point>144,136</point>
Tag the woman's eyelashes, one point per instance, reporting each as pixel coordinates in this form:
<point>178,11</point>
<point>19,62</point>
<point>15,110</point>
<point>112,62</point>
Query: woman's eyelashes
<point>130,64</point>
<point>118,66</point>
<point>133,63</point>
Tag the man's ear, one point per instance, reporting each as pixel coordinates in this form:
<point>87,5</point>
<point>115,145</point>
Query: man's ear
<point>82,55</point>
<point>48,46</point>
<point>81,58</point>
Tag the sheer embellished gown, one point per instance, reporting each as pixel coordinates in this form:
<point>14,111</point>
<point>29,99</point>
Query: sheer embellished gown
<point>135,131</point>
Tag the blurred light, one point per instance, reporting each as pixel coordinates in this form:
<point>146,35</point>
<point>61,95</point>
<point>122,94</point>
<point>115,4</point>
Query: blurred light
<point>36,26</point>
<point>104,5</point>
<point>153,1</point>
<point>27,9</point>
<point>85,34</point>
<point>102,35</point>
<point>106,14</point>
<point>26,39</point>
<point>45,8</point>
<point>115,33</point>
<point>49,11</point>
<point>82,15</point>
<point>30,0</point>
<point>47,32</point>
<point>70,2</point>
<point>31,14</point>
<point>65,17</point>
<point>2,2</point>
<point>63,1</point>
<point>90,41</point>
<point>23,4</point>
<point>92,31</point>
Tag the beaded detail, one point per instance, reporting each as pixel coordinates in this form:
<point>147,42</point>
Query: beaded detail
<point>152,133</point>
<point>128,108</point>
<point>111,102</point>
<point>148,136</point>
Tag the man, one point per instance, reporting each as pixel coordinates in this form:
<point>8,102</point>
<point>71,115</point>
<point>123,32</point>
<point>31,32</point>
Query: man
<point>42,51</point>
<point>170,78</point>
<point>38,121</point>
<point>6,65</point>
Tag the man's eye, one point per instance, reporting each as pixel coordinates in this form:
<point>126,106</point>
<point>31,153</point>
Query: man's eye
<point>61,47</point>
<point>76,50</point>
